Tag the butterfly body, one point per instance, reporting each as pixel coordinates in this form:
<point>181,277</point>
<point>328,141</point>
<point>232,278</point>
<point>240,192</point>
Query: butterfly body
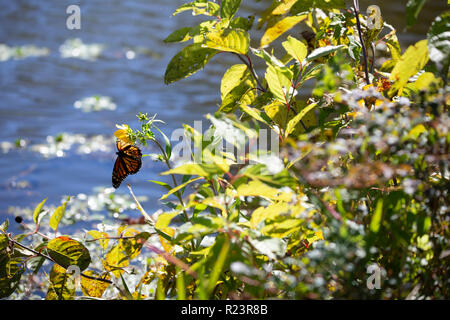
<point>128,162</point>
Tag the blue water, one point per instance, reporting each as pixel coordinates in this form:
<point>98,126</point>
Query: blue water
<point>37,94</point>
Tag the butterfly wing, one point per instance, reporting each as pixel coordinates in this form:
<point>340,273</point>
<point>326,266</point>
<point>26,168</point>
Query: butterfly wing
<point>128,162</point>
<point>119,172</point>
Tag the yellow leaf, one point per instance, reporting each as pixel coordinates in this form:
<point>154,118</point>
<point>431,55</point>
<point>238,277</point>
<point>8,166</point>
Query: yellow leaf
<point>284,7</point>
<point>413,60</point>
<point>426,80</point>
<point>102,237</point>
<point>162,224</point>
<point>295,120</point>
<point>295,48</point>
<point>235,75</point>
<point>258,189</point>
<point>115,261</point>
<point>279,28</point>
<point>94,288</point>
<point>270,212</point>
<point>230,40</point>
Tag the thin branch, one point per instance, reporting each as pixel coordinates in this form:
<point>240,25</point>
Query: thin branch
<point>249,65</point>
<point>177,194</point>
<point>358,24</point>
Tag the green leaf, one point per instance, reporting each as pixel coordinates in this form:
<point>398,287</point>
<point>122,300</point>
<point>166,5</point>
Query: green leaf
<point>305,5</point>
<point>11,270</point>
<point>204,7</point>
<point>57,215</point>
<point>243,94</point>
<point>295,120</point>
<point>187,62</point>
<point>168,146</point>
<point>439,42</point>
<point>203,170</point>
<point>187,33</point>
<point>279,80</point>
<point>179,35</point>
<point>66,252</point>
<point>376,218</point>
<point>228,8</point>
<point>230,40</point>
<point>163,184</point>
<point>181,186</point>
<point>413,60</point>
<point>38,211</point>
<point>242,23</point>
<point>413,8</point>
<point>255,114</point>
<point>4,226</point>
<point>280,27</point>
<point>323,51</point>
<point>295,48</point>
<point>234,76</point>
<point>61,285</point>
<point>219,265</point>
<point>259,189</point>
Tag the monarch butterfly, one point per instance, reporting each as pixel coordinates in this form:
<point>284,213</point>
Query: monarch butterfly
<point>128,162</point>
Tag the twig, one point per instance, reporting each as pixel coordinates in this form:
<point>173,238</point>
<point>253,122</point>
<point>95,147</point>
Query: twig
<point>140,208</point>
<point>363,46</point>
<point>249,65</point>
<point>178,194</point>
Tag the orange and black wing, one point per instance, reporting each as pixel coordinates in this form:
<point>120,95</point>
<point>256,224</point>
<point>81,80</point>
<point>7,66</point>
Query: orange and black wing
<point>128,162</point>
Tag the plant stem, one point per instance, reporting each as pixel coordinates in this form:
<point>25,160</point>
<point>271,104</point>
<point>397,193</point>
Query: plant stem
<point>178,194</point>
<point>363,46</point>
<point>249,65</point>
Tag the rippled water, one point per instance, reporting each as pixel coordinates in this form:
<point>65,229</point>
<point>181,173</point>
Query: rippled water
<point>41,96</point>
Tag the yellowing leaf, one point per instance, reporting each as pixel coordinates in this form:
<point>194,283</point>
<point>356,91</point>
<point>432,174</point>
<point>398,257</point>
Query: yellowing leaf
<point>425,81</point>
<point>259,189</point>
<point>277,112</point>
<point>283,7</point>
<point>228,8</point>
<point>66,252</point>
<point>230,40</point>
<point>102,237</point>
<point>413,60</point>
<point>115,261</point>
<point>270,212</point>
<point>58,214</point>
<point>295,48</point>
<point>295,120</point>
<point>279,28</point>
<point>203,170</point>
<point>279,80</point>
<point>162,224</point>
<point>94,288</point>
<point>37,212</point>
<point>61,285</point>
<point>237,88</point>
<point>377,216</point>
<point>181,186</point>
